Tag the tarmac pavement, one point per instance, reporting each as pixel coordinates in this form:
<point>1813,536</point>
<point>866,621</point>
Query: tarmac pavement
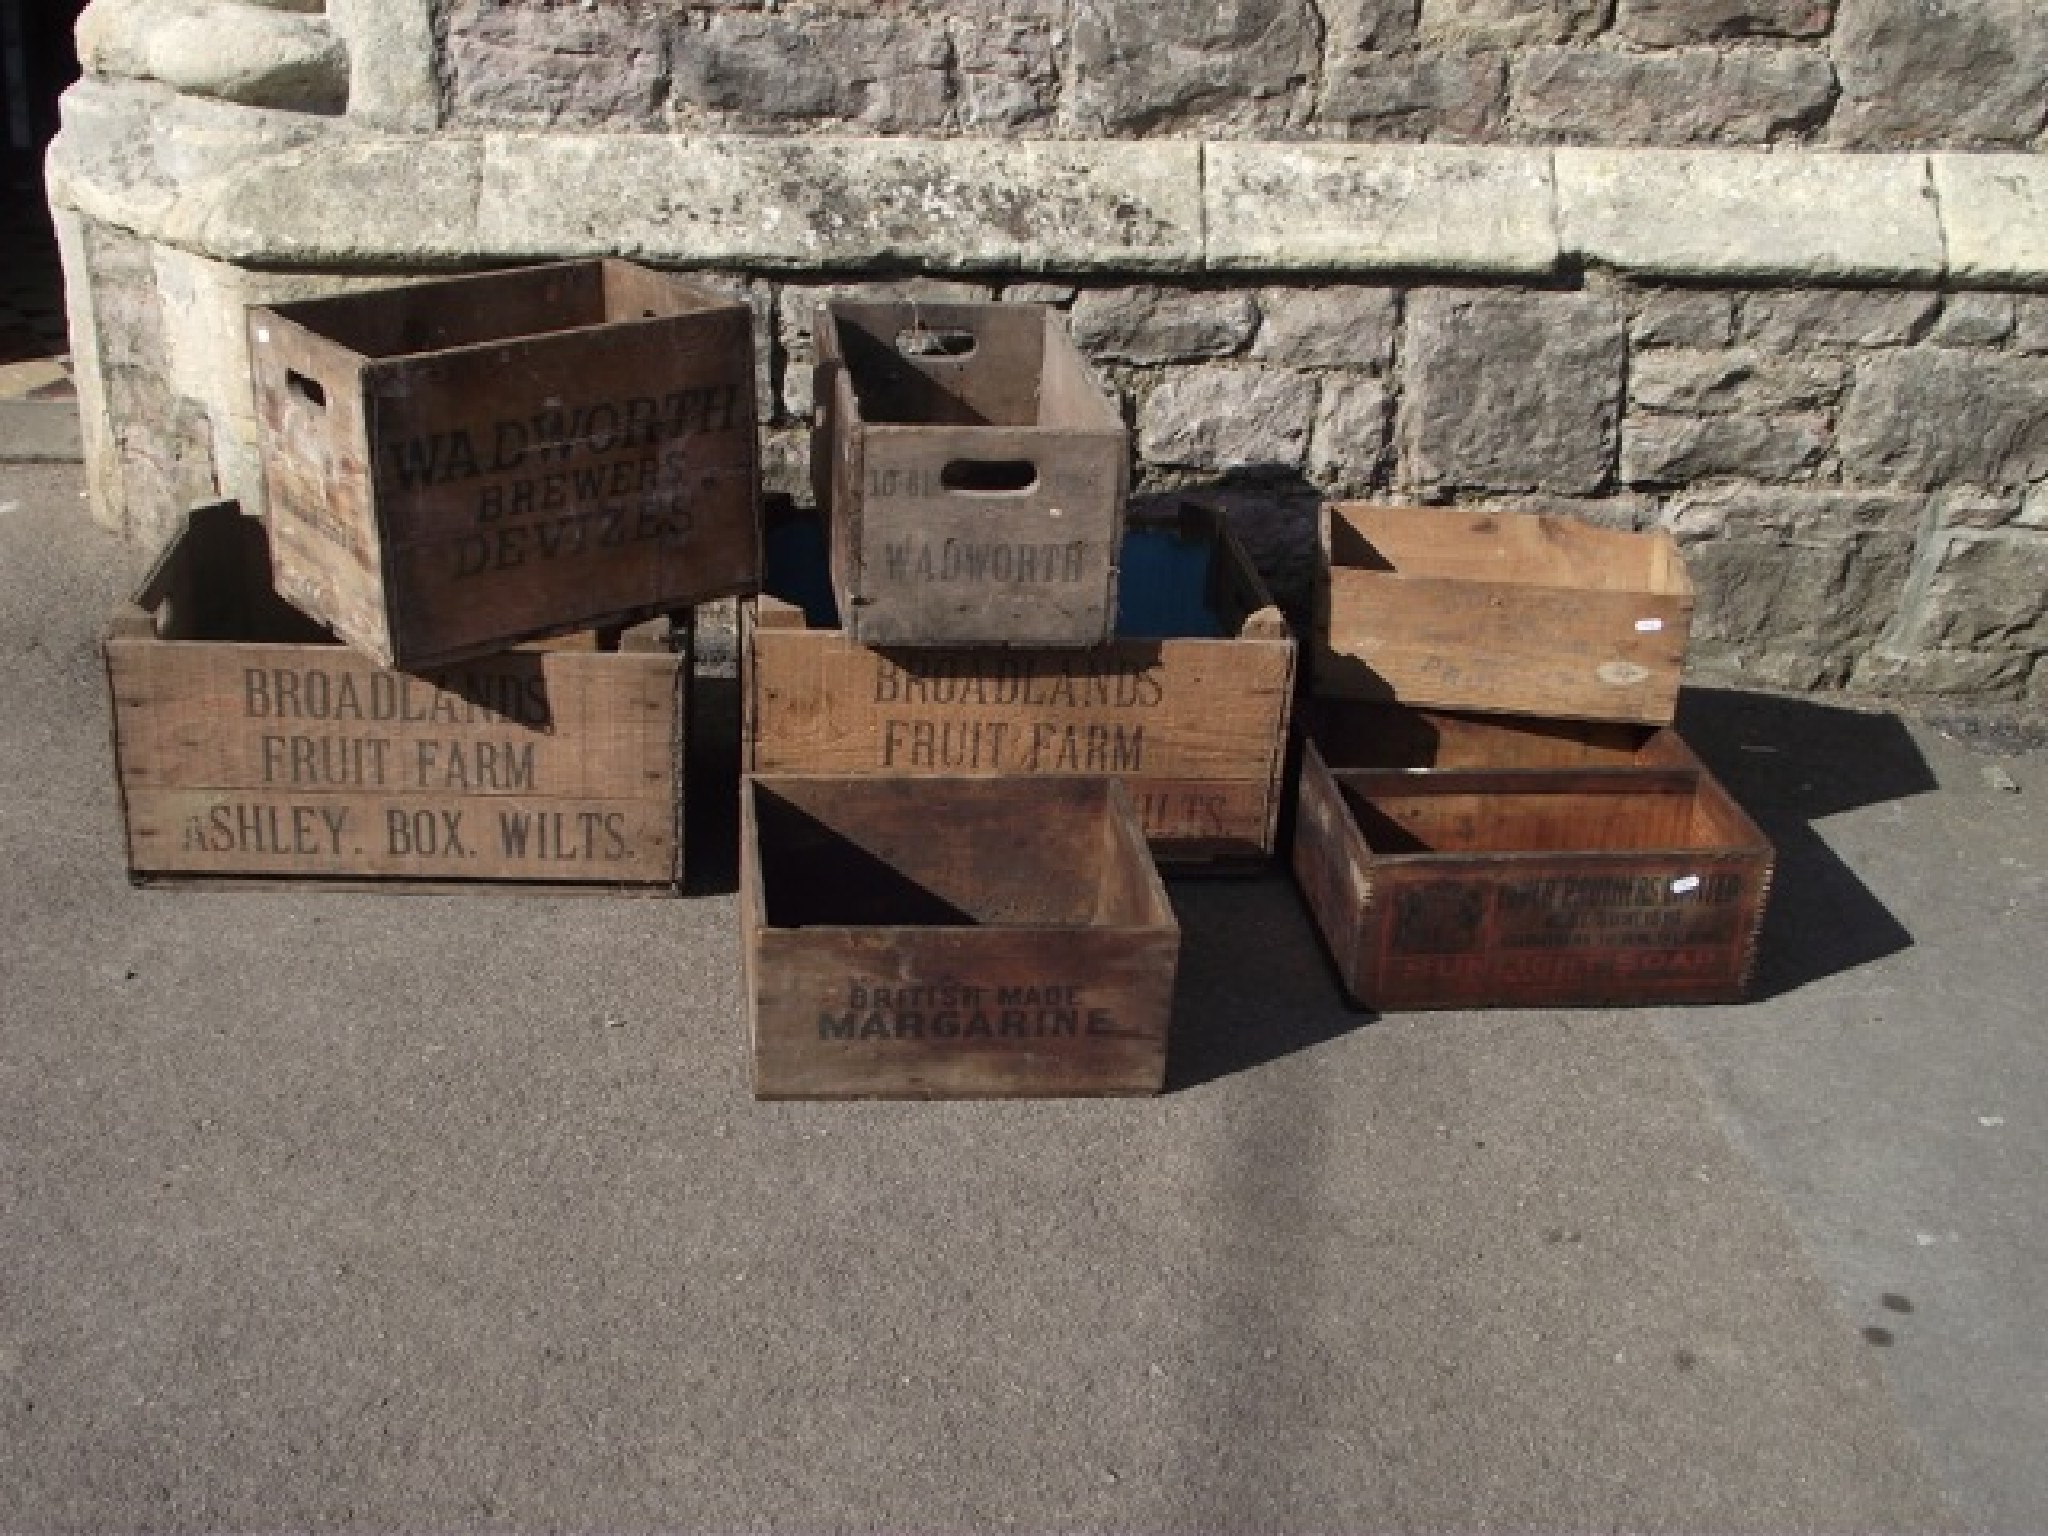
<point>325,1211</point>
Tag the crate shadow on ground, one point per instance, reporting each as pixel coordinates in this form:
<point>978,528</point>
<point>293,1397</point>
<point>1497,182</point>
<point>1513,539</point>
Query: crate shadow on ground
<point>1255,981</point>
<point>1792,763</point>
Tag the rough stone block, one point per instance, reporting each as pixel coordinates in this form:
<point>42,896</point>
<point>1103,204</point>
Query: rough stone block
<point>1353,27</point>
<point>1005,69</point>
<point>1745,214</point>
<point>330,204</point>
<point>1349,443</point>
<point>1454,96</point>
<point>2030,324</point>
<point>1956,75</point>
<point>890,74</point>
<point>535,62</point>
<point>1929,418</point>
<point>1222,418</point>
<point>392,83</point>
<point>1136,66</point>
<point>1679,450</point>
<point>826,202</point>
<point>1988,592</point>
<point>1995,210</point>
<point>1511,391</point>
<point>1735,379</point>
<point>1293,207</point>
<point>1039,293</point>
<point>1836,317</point>
<point>249,55</point>
<point>1510,23</point>
<point>1794,586</point>
<point>1162,325</point>
<point>1672,23</point>
<point>1699,96</point>
<point>1973,320</point>
<point>1684,317</point>
<point>1342,327</point>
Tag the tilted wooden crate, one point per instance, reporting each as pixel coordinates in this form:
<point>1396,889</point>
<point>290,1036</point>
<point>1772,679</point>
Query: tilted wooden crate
<point>1519,613</point>
<point>1545,865</point>
<point>952,938</point>
<point>251,745</point>
<point>1189,704</point>
<point>975,474</point>
<point>459,465</point>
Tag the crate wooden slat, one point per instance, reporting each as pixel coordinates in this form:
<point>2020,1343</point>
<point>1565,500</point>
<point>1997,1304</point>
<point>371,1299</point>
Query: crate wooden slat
<point>975,475</point>
<point>952,938</point>
<point>1602,882</point>
<point>456,466</point>
<point>251,746</point>
<point>1516,613</point>
<point>1190,706</point>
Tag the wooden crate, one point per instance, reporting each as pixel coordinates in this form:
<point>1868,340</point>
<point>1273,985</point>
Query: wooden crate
<point>250,745</point>
<point>975,474</point>
<point>1632,879</point>
<point>1352,734</point>
<point>1516,613</point>
<point>1189,705</point>
<point>952,938</point>
<point>459,465</point>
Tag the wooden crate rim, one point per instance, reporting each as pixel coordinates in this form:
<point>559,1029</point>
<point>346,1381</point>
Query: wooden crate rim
<point>1582,546</point>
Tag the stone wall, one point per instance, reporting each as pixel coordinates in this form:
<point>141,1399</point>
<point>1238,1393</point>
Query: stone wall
<point>1826,372</point>
<point>1856,74</point>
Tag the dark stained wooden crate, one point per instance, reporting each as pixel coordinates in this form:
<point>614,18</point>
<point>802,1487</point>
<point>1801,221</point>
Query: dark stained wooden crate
<point>1516,613</point>
<point>1569,872</point>
<point>975,474</point>
<point>1189,705</point>
<point>952,938</point>
<point>251,746</point>
<point>455,466</point>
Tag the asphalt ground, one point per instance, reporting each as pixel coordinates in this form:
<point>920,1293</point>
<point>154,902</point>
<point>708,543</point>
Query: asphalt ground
<point>362,1211</point>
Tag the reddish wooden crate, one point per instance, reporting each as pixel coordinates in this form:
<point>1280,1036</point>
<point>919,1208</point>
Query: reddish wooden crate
<point>1516,613</point>
<point>456,466</point>
<point>952,938</point>
<point>252,746</point>
<point>1552,869</point>
<point>975,474</point>
<point>1189,705</point>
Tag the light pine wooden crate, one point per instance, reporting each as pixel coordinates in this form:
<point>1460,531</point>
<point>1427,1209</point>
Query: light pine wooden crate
<point>1516,613</point>
<point>250,746</point>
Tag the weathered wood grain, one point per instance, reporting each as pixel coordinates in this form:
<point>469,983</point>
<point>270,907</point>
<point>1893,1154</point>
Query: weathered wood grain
<point>248,744</point>
<point>1515,613</point>
<point>952,938</point>
<point>452,467</point>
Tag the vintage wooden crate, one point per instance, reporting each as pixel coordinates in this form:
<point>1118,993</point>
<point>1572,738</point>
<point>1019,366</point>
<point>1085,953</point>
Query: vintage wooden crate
<point>1631,878</point>
<point>1517,613</point>
<point>975,474</point>
<point>1189,704</point>
<point>952,938</point>
<point>1353,734</point>
<point>459,465</point>
<point>251,745</point>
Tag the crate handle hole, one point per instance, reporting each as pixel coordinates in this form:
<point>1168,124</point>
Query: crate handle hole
<point>306,389</point>
<point>919,342</point>
<point>989,476</point>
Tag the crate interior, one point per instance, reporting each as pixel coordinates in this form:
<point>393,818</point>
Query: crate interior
<point>1167,586</point>
<point>1515,549</point>
<point>899,853</point>
<point>1374,735</point>
<point>469,312</point>
<point>944,365</point>
<point>1471,814</point>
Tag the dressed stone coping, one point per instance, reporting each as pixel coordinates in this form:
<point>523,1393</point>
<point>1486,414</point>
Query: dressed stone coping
<point>272,189</point>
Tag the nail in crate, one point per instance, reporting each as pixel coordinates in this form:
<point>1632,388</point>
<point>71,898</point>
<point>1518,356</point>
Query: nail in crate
<point>1448,608</point>
<point>1455,862</point>
<point>251,746</point>
<point>1189,704</point>
<point>455,466</point>
<point>975,474</point>
<point>952,938</point>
